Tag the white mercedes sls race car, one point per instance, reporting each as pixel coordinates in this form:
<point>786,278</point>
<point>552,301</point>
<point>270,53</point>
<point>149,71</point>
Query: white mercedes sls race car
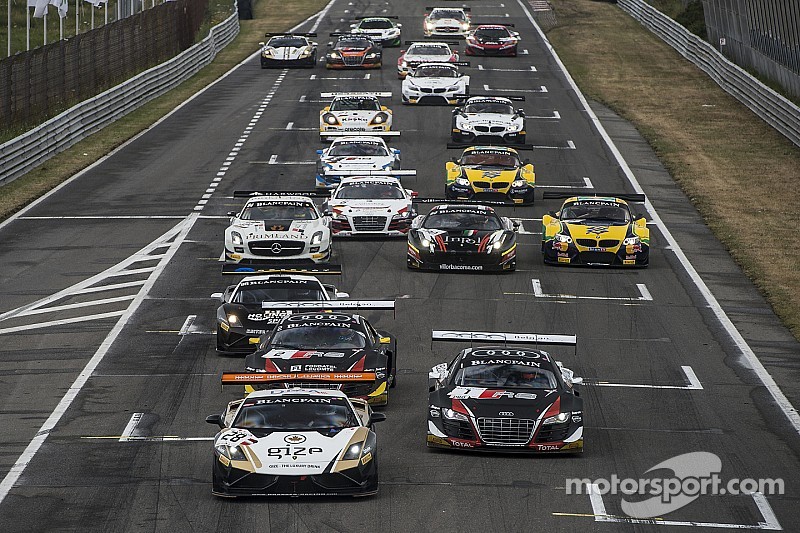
<point>364,206</point>
<point>277,227</point>
<point>489,119</point>
<point>382,29</point>
<point>355,112</point>
<point>354,154</point>
<point>444,21</point>
<point>293,442</point>
<point>435,83</point>
<point>423,52</point>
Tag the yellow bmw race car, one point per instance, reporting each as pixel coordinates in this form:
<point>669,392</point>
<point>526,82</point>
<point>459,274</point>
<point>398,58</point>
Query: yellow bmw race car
<point>491,173</point>
<point>595,230</point>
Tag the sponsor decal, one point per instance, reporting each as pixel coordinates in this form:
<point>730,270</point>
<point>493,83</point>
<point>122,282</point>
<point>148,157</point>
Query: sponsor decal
<point>262,203</point>
<point>463,393</point>
<point>224,460</point>
<point>326,316</point>
<point>277,281</point>
<point>506,413</point>
<point>268,401</point>
<point>292,451</point>
<point>367,458</point>
<point>460,267</point>
<point>296,465</point>
<point>294,439</point>
<point>547,447</point>
<point>461,444</point>
<point>597,230</point>
<point>528,354</point>
<point>505,362</point>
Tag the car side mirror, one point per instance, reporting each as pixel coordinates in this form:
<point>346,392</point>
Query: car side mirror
<point>217,296</point>
<point>399,25</point>
<point>402,52</point>
<point>342,295</point>
<point>319,152</point>
<point>261,43</point>
<point>641,221</point>
<point>215,419</point>
<point>414,194</point>
<point>376,417</point>
<point>330,45</point>
<point>232,214</point>
<point>520,112</point>
<point>327,213</point>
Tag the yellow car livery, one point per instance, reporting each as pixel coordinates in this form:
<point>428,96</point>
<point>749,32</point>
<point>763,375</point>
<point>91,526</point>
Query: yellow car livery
<point>492,173</point>
<point>595,230</point>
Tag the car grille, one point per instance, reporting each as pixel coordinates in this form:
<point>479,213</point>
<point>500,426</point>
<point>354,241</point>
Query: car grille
<point>367,223</point>
<point>276,248</point>
<point>352,61</point>
<point>447,29</point>
<point>553,433</point>
<point>490,185</point>
<point>587,242</point>
<point>490,129</point>
<point>605,258</point>
<point>458,429</point>
<point>603,243</point>
<point>609,243</point>
<point>506,431</point>
<point>433,90</point>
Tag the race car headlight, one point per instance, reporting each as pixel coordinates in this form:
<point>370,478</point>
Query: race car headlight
<point>515,126</point>
<point>267,52</point>
<point>236,237</point>
<point>403,64</point>
<point>335,55</point>
<point>371,55</point>
<point>330,118</point>
<point>453,415</point>
<point>353,452</point>
<point>498,244</point>
<point>518,183</point>
<point>428,25</point>
<point>316,238</point>
<point>231,452</point>
<point>306,53</point>
<point>463,182</point>
<point>402,216</point>
<point>560,237</point>
<point>233,320</point>
<point>560,418</point>
<point>631,240</point>
<point>464,26</point>
<point>425,243</point>
<point>380,118</point>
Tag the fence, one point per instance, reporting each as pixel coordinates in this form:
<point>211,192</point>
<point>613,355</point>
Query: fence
<point>27,151</point>
<point>770,106</point>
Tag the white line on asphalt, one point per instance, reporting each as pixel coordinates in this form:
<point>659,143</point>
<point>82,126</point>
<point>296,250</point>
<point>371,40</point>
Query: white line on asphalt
<point>570,146</point>
<point>290,125</point>
<point>524,52</point>
<point>694,383</point>
<point>104,301</point>
<point>273,160</point>
<point>749,356</point>
<point>541,89</point>
<point>531,69</point>
<point>127,433</point>
<point>187,324</point>
<point>587,184</point>
<point>555,116</point>
<point>539,293</point>
<point>62,322</point>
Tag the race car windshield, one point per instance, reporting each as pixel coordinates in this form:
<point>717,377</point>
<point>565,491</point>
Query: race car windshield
<point>278,212</point>
<point>424,50</point>
<point>491,33</point>
<point>451,221</point>
<point>286,42</point>
<point>595,213</point>
<point>313,337</point>
<point>358,149</point>
<point>376,25</point>
<point>489,107</point>
<point>490,160</point>
<point>355,104</point>
<point>506,376</point>
<point>435,72</point>
<point>291,413</point>
<point>278,293</point>
<point>353,43</point>
<point>367,191</point>
<point>448,14</point>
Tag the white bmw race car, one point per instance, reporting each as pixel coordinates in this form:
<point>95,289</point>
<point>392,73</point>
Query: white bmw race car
<point>489,119</point>
<point>382,29</point>
<point>293,442</point>
<point>352,155</point>
<point>285,50</point>
<point>419,53</point>
<point>363,206</point>
<point>277,227</point>
<point>436,83</point>
<point>446,21</point>
<point>350,112</point>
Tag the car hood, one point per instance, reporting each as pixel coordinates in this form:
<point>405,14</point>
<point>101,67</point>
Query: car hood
<point>432,83</point>
<point>275,229</point>
<point>425,58</point>
<point>461,241</point>
<point>490,174</point>
<point>597,231</point>
<point>287,52</point>
<point>369,207</point>
<point>490,119</point>
<point>511,403</point>
<point>349,162</point>
<point>288,360</point>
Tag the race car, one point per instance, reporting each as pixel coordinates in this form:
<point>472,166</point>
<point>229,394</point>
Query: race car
<point>295,442</point>
<point>597,229</point>
<point>492,40</point>
<point>354,154</point>
<point>328,350</point>
<point>277,226</point>
<point>489,119</point>
<point>284,50</point>
<point>446,21</point>
<point>504,399</point>
<point>381,29</point>
<point>462,237</point>
<point>355,112</point>
<point>370,206</point>
<point>241,317</point>
<point>490,172</point>
<point>418,53</point>
<point>436,83</point>
<point>353,51</point>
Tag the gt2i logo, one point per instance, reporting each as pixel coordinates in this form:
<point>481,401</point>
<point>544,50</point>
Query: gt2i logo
<point>292,451</point>
<point>463,393</point>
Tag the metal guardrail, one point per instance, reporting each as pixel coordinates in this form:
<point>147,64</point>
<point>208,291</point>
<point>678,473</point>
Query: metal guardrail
<point>770,106</point>
<point>23,153</point>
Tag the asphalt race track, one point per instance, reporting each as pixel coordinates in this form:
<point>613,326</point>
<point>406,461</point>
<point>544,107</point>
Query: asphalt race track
<point>108,366</point>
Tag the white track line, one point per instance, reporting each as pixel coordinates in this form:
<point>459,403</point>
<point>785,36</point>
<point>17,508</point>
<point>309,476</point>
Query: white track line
<point>187,325</point>
<point>55,308</point>
<point>694,383</point>
<point>131,427</point>
<point>531,69</point>
<point>539,293</point>
<point>749,358</point>
<point>62,322</point>
<point>541,89</point>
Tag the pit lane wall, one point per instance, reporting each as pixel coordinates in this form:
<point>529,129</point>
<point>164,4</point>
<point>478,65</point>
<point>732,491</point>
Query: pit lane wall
<point>770,106</point>
<point>23,153</point>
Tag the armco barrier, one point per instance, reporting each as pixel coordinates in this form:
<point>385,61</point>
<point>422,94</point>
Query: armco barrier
<point>773,108</point>
<point>21,154</point>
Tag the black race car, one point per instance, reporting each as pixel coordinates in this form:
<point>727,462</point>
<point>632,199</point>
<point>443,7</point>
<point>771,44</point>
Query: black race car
<point>242,320</point>
<point>498,398</point>
<point>462,237</point>
<point>353,51</point>
<point>333,350</point>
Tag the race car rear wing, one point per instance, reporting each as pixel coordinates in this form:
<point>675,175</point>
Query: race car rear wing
<point>290,34</point>
<point>310,193</point>
<point>377,17</point>
<point>333,134</point>
<point>454,63</point>
<point>475,24</point>
<point>280,268</point>
<point>390,173</point>
<point>257,378</point>
<point>419,200</point>
<point>351,34</point>
<point>513,97</point>
<point>628,197</point>
<point>384,94</point>
<point>331,305</point>
<point>431,42</point>
<point>517,147</point>
<point>464,9</point>
<point>506,338</point>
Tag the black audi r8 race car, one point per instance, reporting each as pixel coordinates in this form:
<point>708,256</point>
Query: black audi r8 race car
<point>295,442</point>
<point>462,237</point>
<point>331,350</point>
<point>242,320</point>
<point>353,50</point>
<point>499,398</point>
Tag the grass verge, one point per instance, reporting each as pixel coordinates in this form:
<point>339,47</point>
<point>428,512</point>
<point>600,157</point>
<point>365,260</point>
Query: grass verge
<point>740,173</point>
<point>270,15</point>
